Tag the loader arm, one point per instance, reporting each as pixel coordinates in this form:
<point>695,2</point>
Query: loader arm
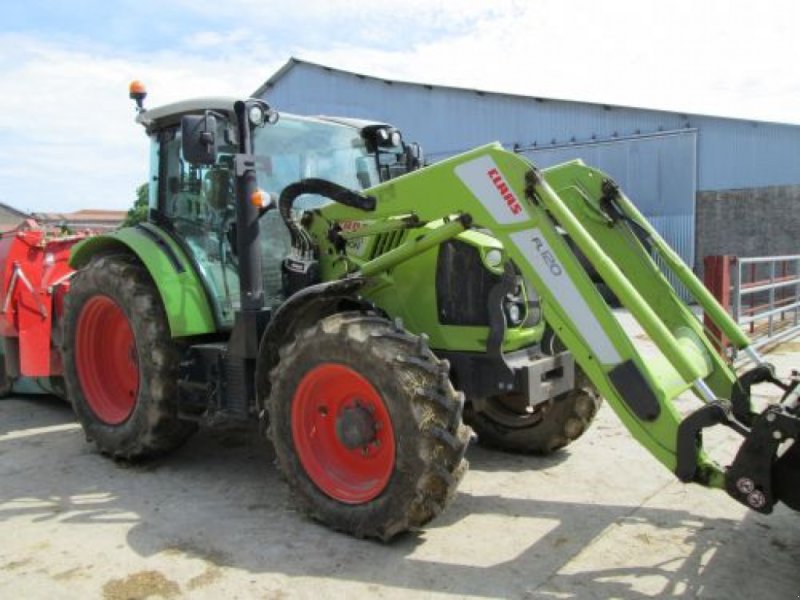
<point>530,212</point>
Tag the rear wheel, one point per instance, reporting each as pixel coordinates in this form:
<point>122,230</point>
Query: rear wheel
<point>120,362</point>
<point>504,423</point>
<point>366,426</point>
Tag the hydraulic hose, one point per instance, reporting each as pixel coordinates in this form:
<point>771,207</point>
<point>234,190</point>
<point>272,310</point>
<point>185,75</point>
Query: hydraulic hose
<point>320,187</point>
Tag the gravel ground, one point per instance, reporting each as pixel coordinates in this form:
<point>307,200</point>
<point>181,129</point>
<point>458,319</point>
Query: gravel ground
<point>214,520</point>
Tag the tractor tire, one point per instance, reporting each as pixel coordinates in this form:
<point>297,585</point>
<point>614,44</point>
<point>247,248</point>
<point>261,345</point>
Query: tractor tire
<point>120,363</point>
<point>366,426</point>
<point>552,426</point>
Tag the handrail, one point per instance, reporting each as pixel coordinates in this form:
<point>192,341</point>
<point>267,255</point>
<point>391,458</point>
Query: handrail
<point>765,259</point>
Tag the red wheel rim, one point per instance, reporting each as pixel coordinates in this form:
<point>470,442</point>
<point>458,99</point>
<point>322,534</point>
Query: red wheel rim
<point>330,397</point>
<point>106,360</point>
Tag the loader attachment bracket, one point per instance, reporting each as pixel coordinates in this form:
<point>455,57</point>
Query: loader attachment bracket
<point>756,478</point>
<point>740,394</point>
<point>690,438</point>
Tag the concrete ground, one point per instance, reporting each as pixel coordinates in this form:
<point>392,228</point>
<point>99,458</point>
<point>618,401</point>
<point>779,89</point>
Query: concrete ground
<point>214,520</point>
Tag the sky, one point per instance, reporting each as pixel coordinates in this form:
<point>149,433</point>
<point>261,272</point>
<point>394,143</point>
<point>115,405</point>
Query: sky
<point>68,140</point>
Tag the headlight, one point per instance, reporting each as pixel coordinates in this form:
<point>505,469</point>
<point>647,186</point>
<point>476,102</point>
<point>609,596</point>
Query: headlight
<point>493,258</point>
<point>514,313</point>
<point>256,115</point>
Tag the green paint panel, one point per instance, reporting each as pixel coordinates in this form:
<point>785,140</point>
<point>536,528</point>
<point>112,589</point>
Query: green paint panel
<point>184,297</point>
<point>520,206</point>
<point>408,290</point>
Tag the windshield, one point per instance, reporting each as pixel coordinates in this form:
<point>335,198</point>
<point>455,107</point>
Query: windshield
<point>296,148</point>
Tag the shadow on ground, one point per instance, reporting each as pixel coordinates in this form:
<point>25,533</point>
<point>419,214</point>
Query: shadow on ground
<point>220,499</point>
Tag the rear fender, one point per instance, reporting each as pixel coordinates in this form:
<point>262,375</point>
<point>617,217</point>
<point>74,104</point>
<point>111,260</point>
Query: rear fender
<point>182,292</point>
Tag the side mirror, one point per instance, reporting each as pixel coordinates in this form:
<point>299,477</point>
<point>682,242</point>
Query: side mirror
<point>415,158</point>
<point>198,139</point>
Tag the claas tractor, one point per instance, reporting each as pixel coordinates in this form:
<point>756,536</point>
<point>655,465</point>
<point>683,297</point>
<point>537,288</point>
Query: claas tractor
<point>307,274</point>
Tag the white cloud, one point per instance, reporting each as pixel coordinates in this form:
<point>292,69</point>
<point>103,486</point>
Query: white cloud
<point>67,129</point>
<point>350,15</point>
<point>729,58</point>
<point>216,39</point>
<point>68,141</point>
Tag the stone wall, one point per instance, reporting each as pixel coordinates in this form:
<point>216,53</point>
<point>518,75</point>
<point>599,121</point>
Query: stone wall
<point>748,222</point>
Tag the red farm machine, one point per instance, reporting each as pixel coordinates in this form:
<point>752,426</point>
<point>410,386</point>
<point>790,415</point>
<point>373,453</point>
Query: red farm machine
<point>34,278</point>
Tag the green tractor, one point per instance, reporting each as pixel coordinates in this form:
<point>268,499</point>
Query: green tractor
<point>307,273</point>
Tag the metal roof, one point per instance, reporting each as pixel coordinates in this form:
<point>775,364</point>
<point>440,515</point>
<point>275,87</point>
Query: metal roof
<point>357,123</point>
<point>261,92</point>
<point>171,113</point>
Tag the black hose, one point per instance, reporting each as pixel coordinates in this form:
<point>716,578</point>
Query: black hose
<point>320,187</point>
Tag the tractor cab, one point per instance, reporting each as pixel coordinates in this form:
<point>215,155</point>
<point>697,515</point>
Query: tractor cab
<point>195,195</point>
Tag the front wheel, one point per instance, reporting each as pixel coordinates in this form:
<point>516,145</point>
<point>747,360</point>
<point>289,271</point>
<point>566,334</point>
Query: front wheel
<point>120,363</point>
<point>366,426</point>
<point>505,424</point>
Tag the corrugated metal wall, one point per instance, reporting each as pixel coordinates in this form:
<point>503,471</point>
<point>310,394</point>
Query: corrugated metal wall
<point>661,159</point>
<point>730,153</point>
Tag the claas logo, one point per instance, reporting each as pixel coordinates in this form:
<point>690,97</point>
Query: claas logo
<point>502,187</point>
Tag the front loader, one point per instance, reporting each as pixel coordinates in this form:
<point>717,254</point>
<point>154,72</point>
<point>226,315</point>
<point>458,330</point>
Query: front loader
<point>362,327</point>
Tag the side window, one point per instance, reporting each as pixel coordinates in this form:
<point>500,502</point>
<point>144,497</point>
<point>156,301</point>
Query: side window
<point>191,194</point>
<point>199,203</point>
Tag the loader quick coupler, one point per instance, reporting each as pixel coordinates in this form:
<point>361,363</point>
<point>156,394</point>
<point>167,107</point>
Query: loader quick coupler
<point>690,438</point>
<point>756,478</point>
<point>740,395</point>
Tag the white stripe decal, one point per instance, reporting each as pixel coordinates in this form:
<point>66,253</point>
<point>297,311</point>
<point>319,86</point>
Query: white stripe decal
<point>541,257</point>
<point>484,179</point>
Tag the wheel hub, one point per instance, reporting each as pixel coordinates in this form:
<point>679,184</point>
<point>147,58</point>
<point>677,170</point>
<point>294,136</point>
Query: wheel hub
<point>343,433</point>
<point>106,360</point>
<point>355,427</point>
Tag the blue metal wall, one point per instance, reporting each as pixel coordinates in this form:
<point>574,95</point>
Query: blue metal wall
<point>661,159</point>
<point>731,153</point>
